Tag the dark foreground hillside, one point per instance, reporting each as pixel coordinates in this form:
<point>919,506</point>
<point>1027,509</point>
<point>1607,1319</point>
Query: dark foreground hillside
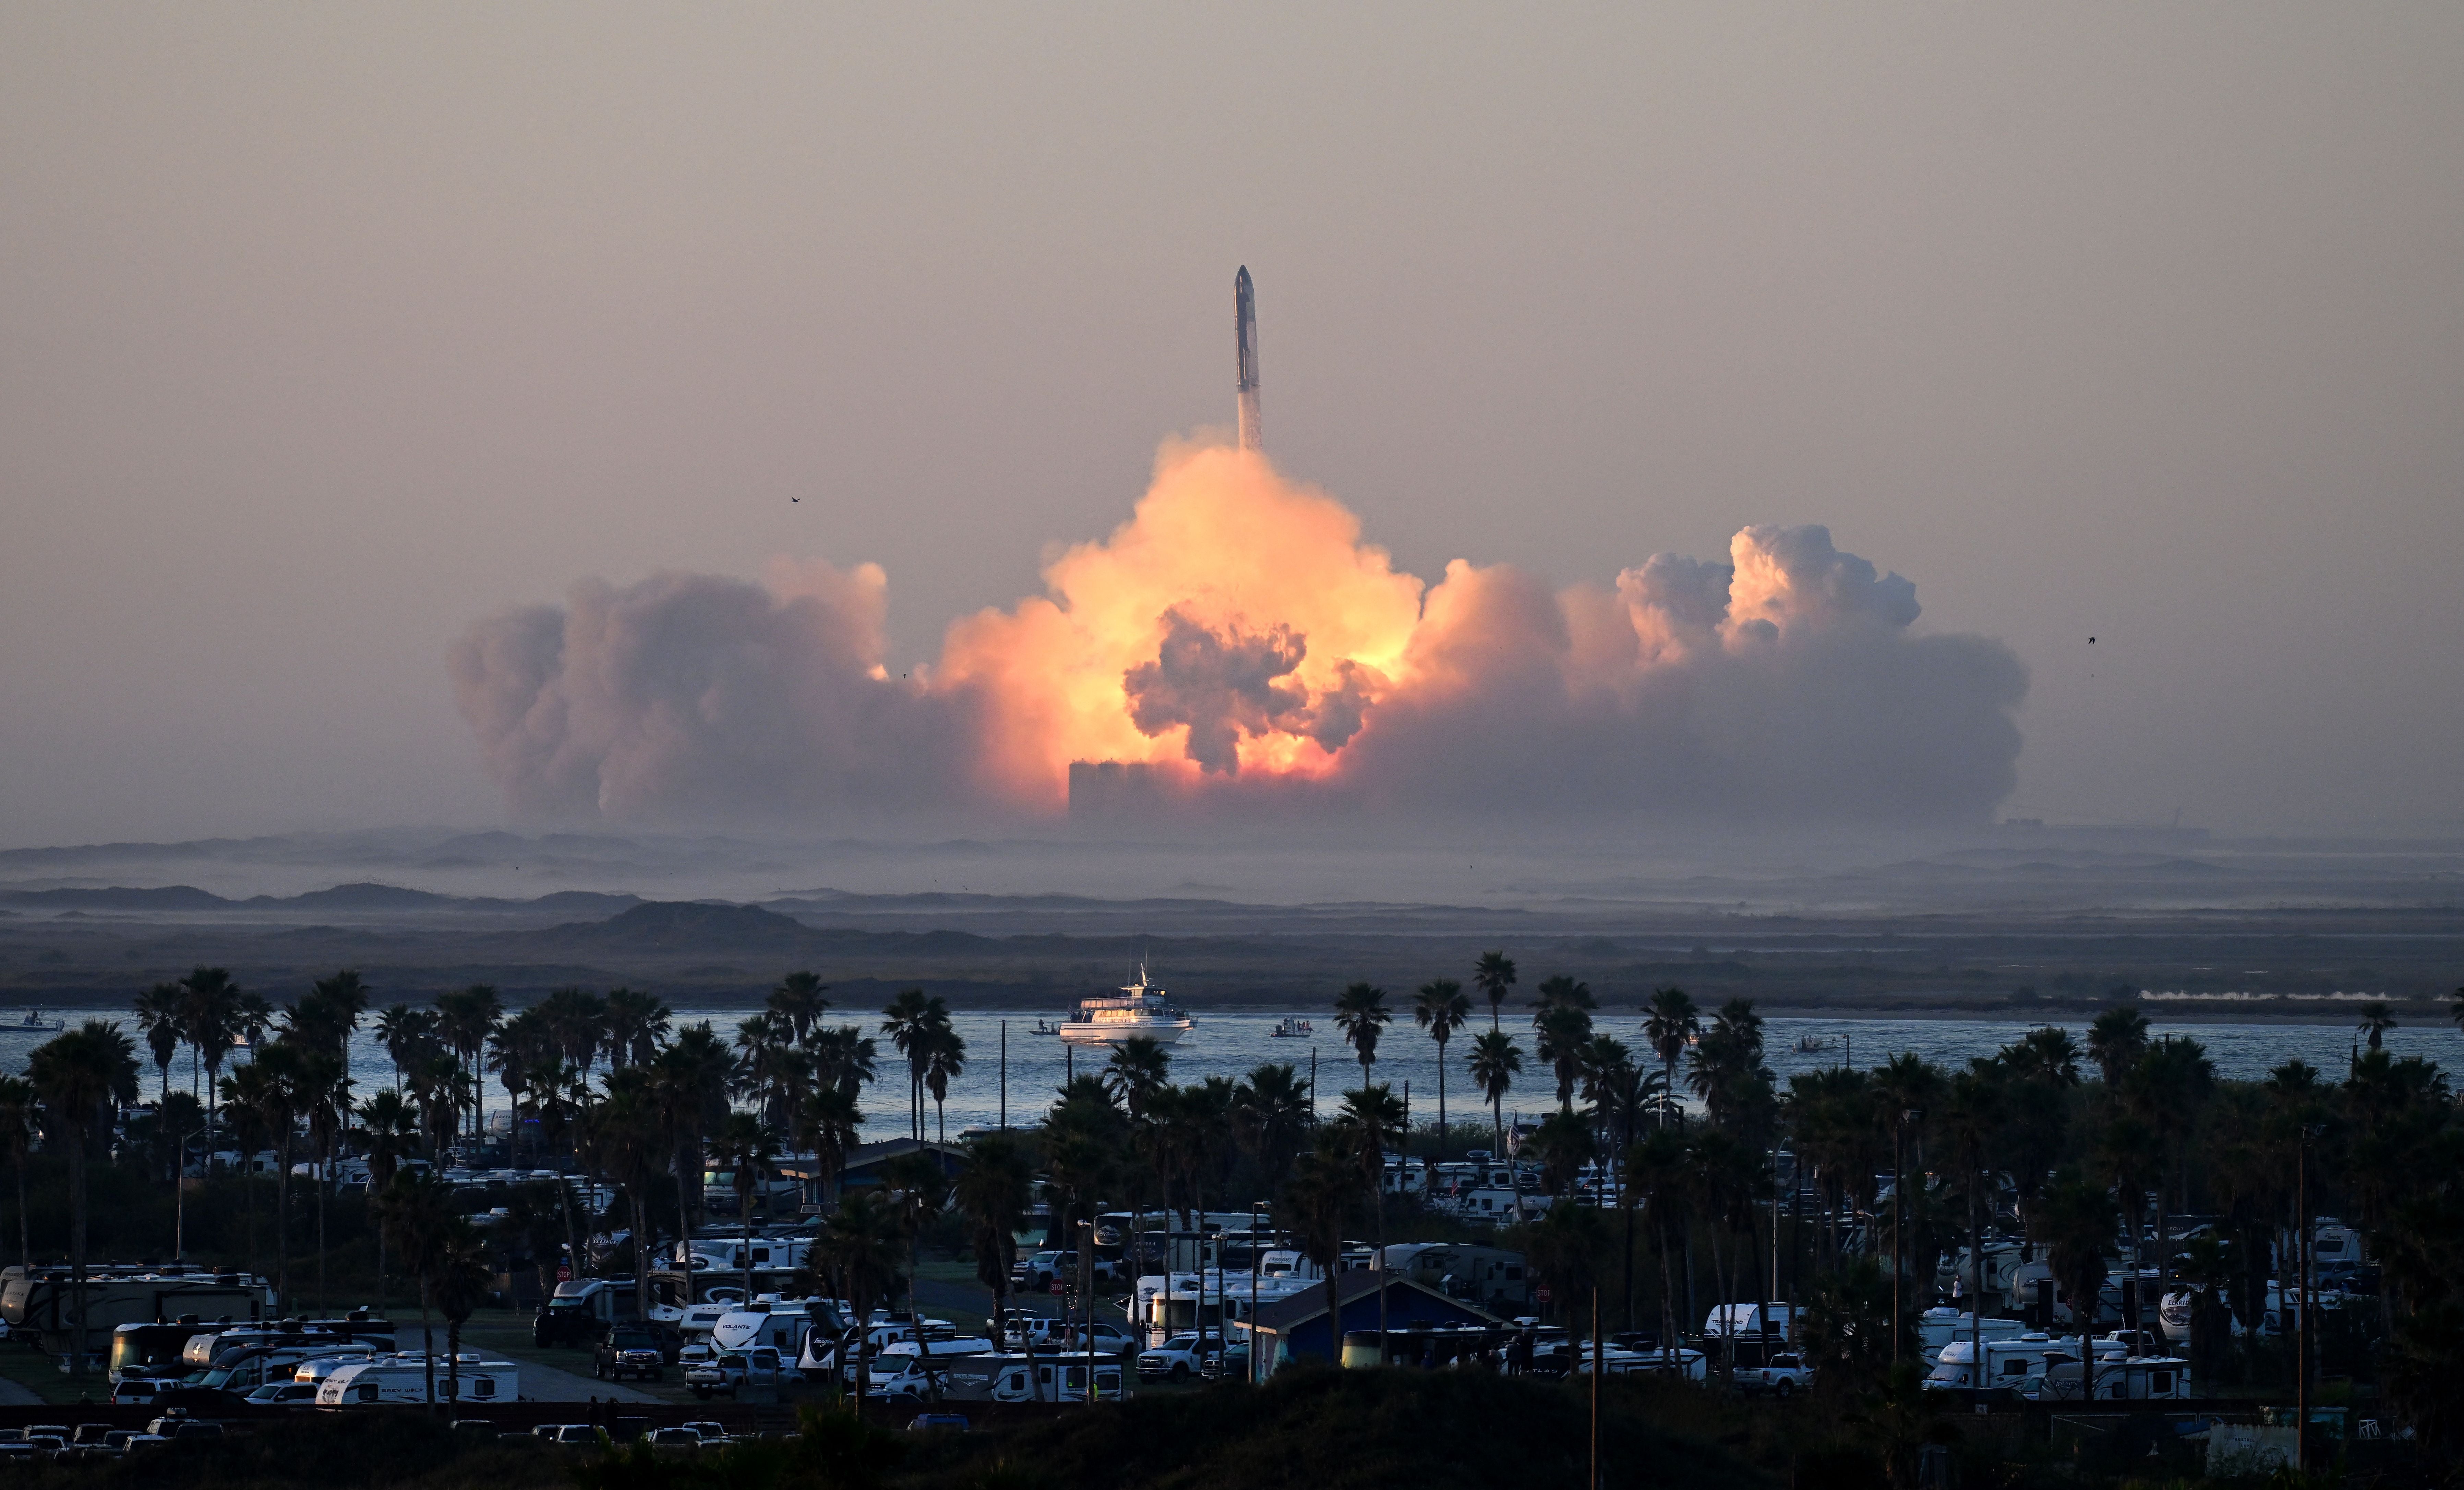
<point>1323,1430</point>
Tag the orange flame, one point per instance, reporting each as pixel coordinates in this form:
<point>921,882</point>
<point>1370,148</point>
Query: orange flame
<point>1223,542</point>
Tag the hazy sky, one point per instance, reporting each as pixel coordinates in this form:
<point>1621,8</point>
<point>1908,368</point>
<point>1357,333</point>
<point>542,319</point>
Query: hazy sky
<point>324,330</point>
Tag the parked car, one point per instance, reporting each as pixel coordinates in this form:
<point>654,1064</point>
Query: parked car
<point>1783,1376</point>
<point>734,1371</point>
<point>283,1393</point>
<point>1179,1358</point>
<point>582,1434</point>
<point>1046,1272</point>
<point>628,1350</point>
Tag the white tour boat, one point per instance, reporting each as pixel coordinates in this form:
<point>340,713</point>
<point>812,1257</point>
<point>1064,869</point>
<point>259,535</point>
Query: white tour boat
<point>1140,1010</point>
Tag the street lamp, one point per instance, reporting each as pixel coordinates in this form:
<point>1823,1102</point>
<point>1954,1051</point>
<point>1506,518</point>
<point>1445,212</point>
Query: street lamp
<point>1086,1300</point>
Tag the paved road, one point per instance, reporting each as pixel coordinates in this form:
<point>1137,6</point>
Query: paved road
<point>550,1384</point>
<point>17,1395</point>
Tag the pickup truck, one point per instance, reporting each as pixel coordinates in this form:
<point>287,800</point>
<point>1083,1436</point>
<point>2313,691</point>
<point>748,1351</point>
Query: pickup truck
<point>630,1350</point>
<point>734,1371</point>
<point>1782,1376</point>
<point>1178,1358</point>
<point>1048,1272</point>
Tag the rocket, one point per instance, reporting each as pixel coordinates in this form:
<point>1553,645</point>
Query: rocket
<point>1245,336</point>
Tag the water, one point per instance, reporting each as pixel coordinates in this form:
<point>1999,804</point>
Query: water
<point>1230,1045</point>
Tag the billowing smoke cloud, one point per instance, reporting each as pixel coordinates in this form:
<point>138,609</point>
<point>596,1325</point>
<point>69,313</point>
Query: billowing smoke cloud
<point>1236,646</point>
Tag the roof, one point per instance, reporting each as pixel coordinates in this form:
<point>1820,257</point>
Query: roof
<point>1288,1314</point>
<point>863,1154</point>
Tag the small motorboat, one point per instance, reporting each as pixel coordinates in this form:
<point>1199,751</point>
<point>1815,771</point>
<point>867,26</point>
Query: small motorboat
<point>1293,1027</point>
<point>1042,1027</point>
<point>1812,1044</point>
<point>34,1021</point>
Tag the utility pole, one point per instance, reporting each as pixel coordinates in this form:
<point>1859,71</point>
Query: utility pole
<point>1005,1076</point>
<point>2302,1334</point>
<point>1598,1370</point>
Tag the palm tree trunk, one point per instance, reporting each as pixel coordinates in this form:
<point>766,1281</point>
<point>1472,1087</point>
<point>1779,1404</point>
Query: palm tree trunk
<point>641,1205</point>
<point>25,1247</point>
<point>427,1341</point>
<point>77,1243</point>
<point>1441,1102</point>
<point>282,1223</point>
<point>325,1167</point>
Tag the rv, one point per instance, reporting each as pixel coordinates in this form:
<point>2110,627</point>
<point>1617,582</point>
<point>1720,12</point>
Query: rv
<point>1937,1328</point>
<point>2008,1363</point>
<point>403,1378</point>
<point>1755,1322</point>
<point>1487,1278</point>
<point>2119,1378</point>
<point>781,1324</point>
<point>584,1309</point>
<point>44,1303</point>
<point>914,1370</point>
<point>1010,1378</point>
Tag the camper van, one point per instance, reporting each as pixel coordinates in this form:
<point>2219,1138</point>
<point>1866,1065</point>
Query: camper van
<point>403,1378</point>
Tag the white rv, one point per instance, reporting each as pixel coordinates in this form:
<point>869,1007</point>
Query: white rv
<point>1005,1378</point>
<point>2008,1363</point>
<point>1937,1328</point>
<point>403,1378</point>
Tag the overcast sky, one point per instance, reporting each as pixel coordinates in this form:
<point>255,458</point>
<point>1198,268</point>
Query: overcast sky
<point>324,330</point>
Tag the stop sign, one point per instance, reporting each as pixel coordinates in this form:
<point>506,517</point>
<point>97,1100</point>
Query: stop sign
<point>1541,1293</point>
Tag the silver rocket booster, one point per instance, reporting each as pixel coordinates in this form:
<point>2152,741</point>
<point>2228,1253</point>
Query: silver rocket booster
<point>1244,335</point>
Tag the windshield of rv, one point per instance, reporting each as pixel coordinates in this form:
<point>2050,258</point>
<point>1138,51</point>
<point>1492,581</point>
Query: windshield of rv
<point>140,1350</point>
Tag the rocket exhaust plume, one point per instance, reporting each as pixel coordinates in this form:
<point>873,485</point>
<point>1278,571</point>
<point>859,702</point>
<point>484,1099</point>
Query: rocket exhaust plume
<point>1236,646</point>
<point>1245,346</point>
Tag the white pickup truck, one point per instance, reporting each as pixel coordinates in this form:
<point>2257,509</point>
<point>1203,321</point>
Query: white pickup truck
<point>1783,1376</point>
<point>733,1372</point>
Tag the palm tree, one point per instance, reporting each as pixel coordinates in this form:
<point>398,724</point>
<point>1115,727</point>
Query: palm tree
<point>1493,975</point>
<point>2166,1089</point>
<point>1563,1144</point>
<point>17,1118</point>
<point>1971,1125</point>
<point>1324,1186</point>
<point>418,1211</point>
<point>860,1242</point>
<point>993,1193</point>
<point>210,1020</point>
<point>745,1146</point>
<point>158,1016</point>
<point>276,1084</point>
<point>626,1134</point>
<point>827,1124</point>
<point>1658,1167</point>
<point>2114,1041</point>
<point>459,1281</point>
<point>637,1026</point>
<point>1441,1008</point>
<point>1362,1014</point>
<point>689,1085</point>
<point>1562,1031</point>
<point>908,1022</point>
<point>1140,1068</point>
<point>2076,1221</point>
<point>343,1002</point>
<point>1495,1061</point>
<point>516,1048</point>
<point>392,1130</point>
<point>2378,1017</point>
<point>325,1098</point>
<point>916,1182</point>
<point>574,1025</point>
<point>842,1057</point>
<point>406,1030</point>
<point>1269,1112</point>
<point>943,1062</point>
<point>1672,1024</point>
<point>1374,1118</point>
<point>466,1018</point>
<point>798,1002</point>
<point>81,1077</point>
